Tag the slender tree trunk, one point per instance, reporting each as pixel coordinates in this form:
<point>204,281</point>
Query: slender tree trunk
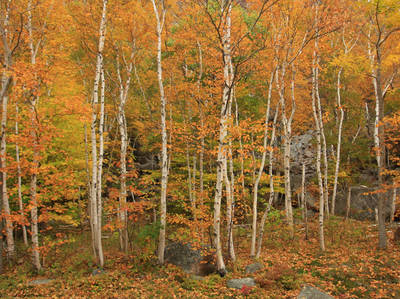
<point>223,132</point>
<point>324,146</point>
<point>89,190</point>
<point>339,141</point>
<point>348,202</point>
<point>96,206</point>
<point>229,183</point>
<point>319,112</point>
<point>36,152</point>
<point>202,141</point>
<point>376,74</point>
<point>123,213</point>
<point>160,17</point>
<point>100,172</point>
<point>393,205</point>
<point>271,185</point>
<point>261,168</point>
<point>303,198</point>
<point>303,191</point>
<point>318,167</point>
<point>19,179</point>
<point>33,191</point>
<point>287,129</point>
<point>5,82</point>
<point>194,189</point>
<point>316,106</point>
<point>6,206</point>
<point>123,95</point>
<point>189,178</point>
<point>123,193</point>
<point>241,150</point>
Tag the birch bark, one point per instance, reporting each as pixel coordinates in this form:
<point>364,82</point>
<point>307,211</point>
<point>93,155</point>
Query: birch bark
<point>261,168</point>
<point>123,95</point>
<point>5,82</point>
<point>36,151</point>
<point>223,132</point>
<point>19,178</point>
<point>318,161</point>
<point>271,184</point>
<point>95,215</point>
<point>160,18</point>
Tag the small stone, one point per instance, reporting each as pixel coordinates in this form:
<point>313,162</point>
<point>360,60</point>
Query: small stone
<point>38,282</point>
<point>309,292</point>
<point>97,272</point>
<point>252,268</point>
<point>239,283</point>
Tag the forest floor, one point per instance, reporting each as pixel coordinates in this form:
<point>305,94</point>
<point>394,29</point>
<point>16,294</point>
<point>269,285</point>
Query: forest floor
<point>351,267</point>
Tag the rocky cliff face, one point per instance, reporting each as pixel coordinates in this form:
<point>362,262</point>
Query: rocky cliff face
<point>363,202</point>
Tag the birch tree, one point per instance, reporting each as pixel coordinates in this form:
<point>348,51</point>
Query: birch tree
<point>260,170</point>
<point>5,83</point>
<point>124,85</point>
<point>347,47</point>
<point>289,45</point>
<point>34,46</point>
<point>271,183</point>
<point>378,35</point>
<point>19,177</point>
<point>160,11</point>
<point>95,194</point>
<point>317,119</point>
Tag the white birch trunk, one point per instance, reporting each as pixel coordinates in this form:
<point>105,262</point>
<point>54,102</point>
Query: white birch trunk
<point>19,178</point>
<point>303,199</point>
<point>271,185</point>
<point>376,72</point>
<point>123,95</point>
<point>303,191</point>
<point>194,194</point>
<point>261,168</point>
<point>229,184</point>
<point>324,146</point>
<point>6,206</point>
<point>189,178</point>
<point>100,173</point>
<point>160,17</point>
<point>223,132</point>
<point>318,162</point>
<point>339,141</point>
<point>6,79</point>
<point>316,60</point>
<point>316,106</point>
<point>287,128</point>
<point>36,153</point>
<point>95,204</point>
<point>241,150</point>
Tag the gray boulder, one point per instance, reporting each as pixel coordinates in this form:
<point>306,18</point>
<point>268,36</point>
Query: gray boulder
<point>252,268</point>
<point>239,283</point>
<point>309,292</point>
<point>362,204</point>
<point>191,260</point>
<point>96,272</point>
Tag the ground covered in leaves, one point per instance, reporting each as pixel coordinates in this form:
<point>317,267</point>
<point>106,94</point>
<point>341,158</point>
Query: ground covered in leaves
<point>351,267</point>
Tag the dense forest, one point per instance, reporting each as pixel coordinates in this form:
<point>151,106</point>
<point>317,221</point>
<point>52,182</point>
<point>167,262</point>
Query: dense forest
<point>210,148</point>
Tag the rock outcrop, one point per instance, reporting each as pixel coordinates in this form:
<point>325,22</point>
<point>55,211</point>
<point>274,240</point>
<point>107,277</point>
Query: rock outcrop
<point>191,260</point>
<point>309,292</point>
